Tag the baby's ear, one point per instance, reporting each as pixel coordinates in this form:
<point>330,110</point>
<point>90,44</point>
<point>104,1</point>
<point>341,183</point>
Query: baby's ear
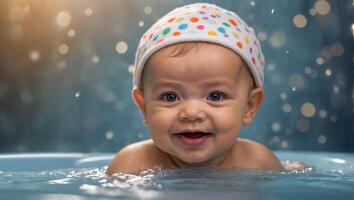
<point>138,97</point>
<point>255,99</point>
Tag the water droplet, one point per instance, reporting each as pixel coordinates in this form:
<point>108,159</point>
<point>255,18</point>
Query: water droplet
<point>322,7</point>
<point>77,94</point>
<point>147,10</point>
<point>302,125</point>
<point>308,110</point>
<point>63,49</point>
<point>63,19</point>
<point>322,139</point>
<point>109,135</point>
<point>276,126</point>
<point>88,11</point>
<point>299,21</point>
<point>71,33</point>
<point>121,47</point>
<point>34,55</point>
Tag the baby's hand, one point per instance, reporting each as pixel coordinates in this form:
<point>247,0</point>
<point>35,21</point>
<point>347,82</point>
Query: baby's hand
<point>289,165</point>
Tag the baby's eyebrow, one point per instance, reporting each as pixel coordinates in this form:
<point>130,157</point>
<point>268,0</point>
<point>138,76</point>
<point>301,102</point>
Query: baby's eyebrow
<point>161,84</point>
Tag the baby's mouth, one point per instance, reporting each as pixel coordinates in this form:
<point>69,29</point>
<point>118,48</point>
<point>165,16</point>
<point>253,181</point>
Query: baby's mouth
<point>193,138</point>
<point>193,134</point>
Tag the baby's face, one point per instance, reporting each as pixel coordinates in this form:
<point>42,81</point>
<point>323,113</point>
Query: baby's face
<point>195,103</point>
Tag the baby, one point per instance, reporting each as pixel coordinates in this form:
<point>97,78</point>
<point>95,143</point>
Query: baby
<point>198,80</point>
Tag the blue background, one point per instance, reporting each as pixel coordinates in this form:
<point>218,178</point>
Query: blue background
<point>78,99</point>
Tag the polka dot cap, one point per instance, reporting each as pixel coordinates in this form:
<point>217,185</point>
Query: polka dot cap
<point>202,22</point>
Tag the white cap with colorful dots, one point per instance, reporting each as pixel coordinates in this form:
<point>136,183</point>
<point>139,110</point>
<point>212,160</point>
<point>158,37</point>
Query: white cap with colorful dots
<point>202,22</point>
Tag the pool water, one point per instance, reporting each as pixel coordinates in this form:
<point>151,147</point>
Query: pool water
<point>82,176</point>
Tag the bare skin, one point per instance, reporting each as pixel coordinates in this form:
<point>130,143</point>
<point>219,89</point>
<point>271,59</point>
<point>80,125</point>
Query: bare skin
<point>194,105</point>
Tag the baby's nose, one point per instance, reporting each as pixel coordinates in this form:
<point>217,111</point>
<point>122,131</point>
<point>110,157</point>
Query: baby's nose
<point>192,110</point>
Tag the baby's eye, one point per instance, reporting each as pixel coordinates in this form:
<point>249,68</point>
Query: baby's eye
<point>216,96</point>
<point>169,97</point>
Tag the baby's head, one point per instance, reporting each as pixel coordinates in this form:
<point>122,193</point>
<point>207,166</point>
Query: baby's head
<point>198,79</point>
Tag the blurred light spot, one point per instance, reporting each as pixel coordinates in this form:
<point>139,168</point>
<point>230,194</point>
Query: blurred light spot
<point>16,32</point>
<point>109,97</point>
<point>34,55</point>
<point>353,29</point>
<point>251,16</point>
<point>121,47</point>
<point>296,80</point>
<point>288,131</point>
<point>287,52</point>
<point>62,64</point>
<point>16,14</point>
<point>313,74</point>
<point>333,118</point>
<point>337,49</point>
<point>300,21</point>
<point>326,54</point>
<point>308,109</point>
<point>262,36</point>
<point>270,66</point>
<point>277,39</point>
<point>336,89</point>
<point>27,8</point>
<point>319,60</point>
<point>328,72</point>
<point>59,196</point>
<point>302,125</point>
<point>109,135</point>
<point>293,89</point>
<point>312,12</point>
<point>147,10</point>
<point>284,144</point>
<point>63,49</point>
<point>253,3</point>
<point>131,69</point>
<point>338,160</point>
<point>322,7</point>
<point>275,79</point>
<point>283,96</point>
<point>322,139</point>
<point>276,139</point>
<point>307,70</point>
<point>77,94</point>
<point>287,108</point>
<point>141,23</point>
<point>63,19</point>
<point>276,126</point>
<point>272,11</point>
<point>95,59</point>
<point>88,11</point>
<point>322,113</point>
<point>71,33</point>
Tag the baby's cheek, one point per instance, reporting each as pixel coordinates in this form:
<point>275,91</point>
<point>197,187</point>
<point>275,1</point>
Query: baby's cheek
<point>228,119</point>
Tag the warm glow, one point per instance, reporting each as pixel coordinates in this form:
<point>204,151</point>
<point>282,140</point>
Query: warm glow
<point>300,21</point>
<point>322,7</point>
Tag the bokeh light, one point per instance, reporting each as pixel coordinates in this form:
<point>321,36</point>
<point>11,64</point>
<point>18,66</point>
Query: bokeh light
<point>121,47</point>
<point>300,21</point>
<point>63,19</point>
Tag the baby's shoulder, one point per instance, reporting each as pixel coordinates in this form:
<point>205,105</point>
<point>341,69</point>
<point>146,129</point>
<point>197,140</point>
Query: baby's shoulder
<point>255,155</point>
<point>134,158</point>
